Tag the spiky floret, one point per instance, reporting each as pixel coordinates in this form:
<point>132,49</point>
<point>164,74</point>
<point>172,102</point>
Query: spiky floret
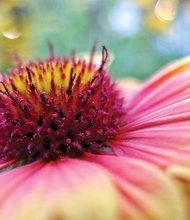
<point>58,107</point>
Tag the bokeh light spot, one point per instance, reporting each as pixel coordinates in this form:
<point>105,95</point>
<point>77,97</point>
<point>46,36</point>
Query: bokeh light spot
<point>11,34</point>
<point>166,9</point>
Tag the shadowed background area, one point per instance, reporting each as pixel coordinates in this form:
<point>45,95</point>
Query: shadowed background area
<point>142,35</point>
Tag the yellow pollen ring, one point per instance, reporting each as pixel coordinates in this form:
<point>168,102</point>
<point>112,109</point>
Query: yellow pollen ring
<point>44,73</point>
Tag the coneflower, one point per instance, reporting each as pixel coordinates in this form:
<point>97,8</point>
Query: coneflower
<point>63,122</point>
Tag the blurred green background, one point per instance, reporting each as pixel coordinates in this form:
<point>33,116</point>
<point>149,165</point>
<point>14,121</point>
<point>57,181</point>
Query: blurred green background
<point>142,35</point>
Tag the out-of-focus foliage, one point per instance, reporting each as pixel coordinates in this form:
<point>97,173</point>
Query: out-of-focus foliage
<point>142,34</point>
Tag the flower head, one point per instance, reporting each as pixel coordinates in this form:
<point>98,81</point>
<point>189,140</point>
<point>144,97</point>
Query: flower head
<point>59,116</point>
<point>60,107</point>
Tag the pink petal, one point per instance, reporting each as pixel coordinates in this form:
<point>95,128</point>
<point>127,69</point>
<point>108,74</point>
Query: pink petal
<point>129,87</point>
<point>158,125</point>
<point>68,189</point>
<point>95,187</point>
<point>158,128</point>
<point>146,192</point>
<point>167,85</point>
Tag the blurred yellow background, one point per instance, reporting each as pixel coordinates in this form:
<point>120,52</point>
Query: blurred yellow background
<point>142,35</point>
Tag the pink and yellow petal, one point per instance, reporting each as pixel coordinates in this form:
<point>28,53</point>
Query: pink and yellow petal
<point>70,189</point>
<point>182,174</point>
<point>146,193</point>
<point>97,187</point>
